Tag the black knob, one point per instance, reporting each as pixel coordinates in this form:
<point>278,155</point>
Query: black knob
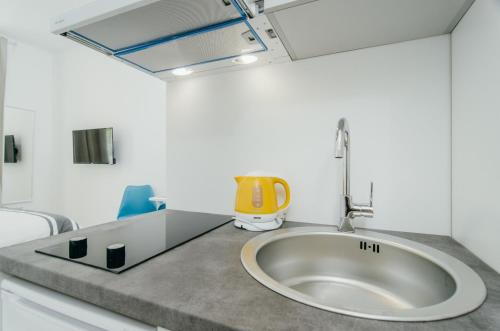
<point>77,247</point>
<point>115,256</point>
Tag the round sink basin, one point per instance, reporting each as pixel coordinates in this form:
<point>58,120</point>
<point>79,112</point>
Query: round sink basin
<point>365,274</point>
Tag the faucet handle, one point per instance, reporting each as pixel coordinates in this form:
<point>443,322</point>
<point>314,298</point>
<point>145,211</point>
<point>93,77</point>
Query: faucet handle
<point>371,194</point>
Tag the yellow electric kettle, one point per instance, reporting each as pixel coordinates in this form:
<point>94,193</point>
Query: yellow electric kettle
<point>256,206</point>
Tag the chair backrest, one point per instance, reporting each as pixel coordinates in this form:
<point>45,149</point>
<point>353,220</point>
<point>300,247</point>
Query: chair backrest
<point>135,201</point>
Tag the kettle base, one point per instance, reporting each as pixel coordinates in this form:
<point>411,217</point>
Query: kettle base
<point>258,226</point>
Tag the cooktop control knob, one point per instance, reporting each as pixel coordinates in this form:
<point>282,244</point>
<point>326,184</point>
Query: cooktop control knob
<point>77,247</point>
<point>115,256</point>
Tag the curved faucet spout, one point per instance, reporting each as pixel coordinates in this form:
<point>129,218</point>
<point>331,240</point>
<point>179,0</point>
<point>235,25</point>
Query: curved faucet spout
<point>342,141</point>
<point>342,150</point>
<point>348,209</point>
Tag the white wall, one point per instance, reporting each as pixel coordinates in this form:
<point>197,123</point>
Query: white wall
<point>283,118</point>
<point>94,92</point>
<point>30,86</point>
<point>476,136</point>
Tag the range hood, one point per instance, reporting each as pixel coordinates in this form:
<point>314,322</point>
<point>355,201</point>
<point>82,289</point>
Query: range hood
<point>310,28</point>
<point>158,36</point>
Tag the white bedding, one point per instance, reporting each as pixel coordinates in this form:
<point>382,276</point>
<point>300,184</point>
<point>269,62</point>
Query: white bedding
<point>17,226</point>
<point>20,227</point>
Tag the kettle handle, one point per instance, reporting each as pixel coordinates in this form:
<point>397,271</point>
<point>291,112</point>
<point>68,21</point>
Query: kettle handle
<point>287,192</point>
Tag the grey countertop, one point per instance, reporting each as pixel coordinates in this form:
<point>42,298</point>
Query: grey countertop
<point>202,285</point>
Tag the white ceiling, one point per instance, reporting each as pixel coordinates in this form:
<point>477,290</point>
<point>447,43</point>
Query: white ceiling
<point>28,21</point>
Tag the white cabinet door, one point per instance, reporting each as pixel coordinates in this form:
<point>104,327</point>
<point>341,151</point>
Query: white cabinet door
<point>23,315</point>
<point>28,307</point>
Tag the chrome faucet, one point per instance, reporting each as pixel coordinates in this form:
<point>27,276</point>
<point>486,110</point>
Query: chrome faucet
<point>348,209</point>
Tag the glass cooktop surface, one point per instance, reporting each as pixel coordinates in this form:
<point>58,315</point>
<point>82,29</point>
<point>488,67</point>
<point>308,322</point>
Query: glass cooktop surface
<point>135,240</point>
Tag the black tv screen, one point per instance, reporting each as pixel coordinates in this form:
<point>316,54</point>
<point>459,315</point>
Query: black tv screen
<point>10,151</point>
<point>93,146</point>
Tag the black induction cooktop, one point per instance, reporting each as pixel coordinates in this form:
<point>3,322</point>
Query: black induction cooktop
<point>136,239</point>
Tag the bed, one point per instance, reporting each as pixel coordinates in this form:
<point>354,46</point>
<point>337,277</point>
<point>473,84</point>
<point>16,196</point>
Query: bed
<point>19,225</point>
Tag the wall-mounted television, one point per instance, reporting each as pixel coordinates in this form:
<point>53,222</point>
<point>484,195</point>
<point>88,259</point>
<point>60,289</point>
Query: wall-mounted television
<point>94,146</point>
<point>10,151</point>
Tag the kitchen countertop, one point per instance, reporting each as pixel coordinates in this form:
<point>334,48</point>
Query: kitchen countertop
<point>202,285</point>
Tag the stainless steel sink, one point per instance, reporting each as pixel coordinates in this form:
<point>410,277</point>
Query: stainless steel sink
<point>364,274</point>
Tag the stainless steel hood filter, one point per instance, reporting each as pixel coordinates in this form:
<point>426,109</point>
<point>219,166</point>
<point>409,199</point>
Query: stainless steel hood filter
<point>169,34</point>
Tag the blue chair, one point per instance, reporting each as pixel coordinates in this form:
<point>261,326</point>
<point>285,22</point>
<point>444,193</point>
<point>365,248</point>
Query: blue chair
<point>139,200</point>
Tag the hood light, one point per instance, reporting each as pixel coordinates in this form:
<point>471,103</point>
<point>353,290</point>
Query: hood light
<point>245,59</point>
<point>182,71</point>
